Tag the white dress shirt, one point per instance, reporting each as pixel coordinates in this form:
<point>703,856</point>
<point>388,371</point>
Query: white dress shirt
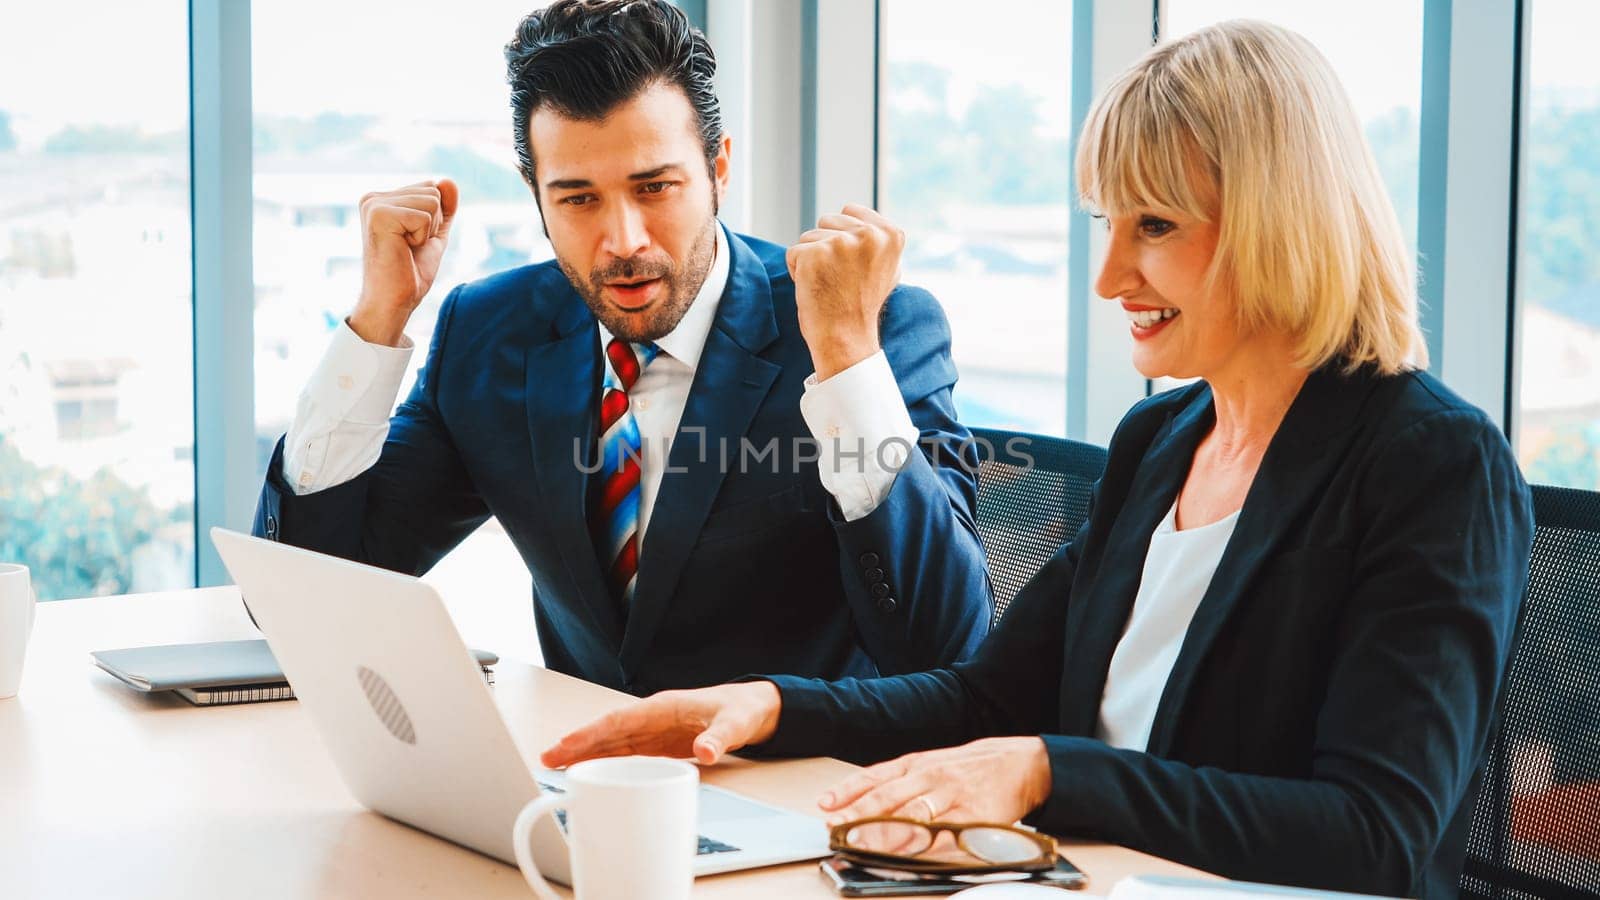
<point>1177,571</point>
<point>342,418</point>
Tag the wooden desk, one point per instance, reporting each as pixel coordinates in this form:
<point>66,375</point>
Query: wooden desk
<point>106,792</point>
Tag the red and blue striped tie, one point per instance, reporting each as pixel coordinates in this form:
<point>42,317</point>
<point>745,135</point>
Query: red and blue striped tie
<point>616,521</point>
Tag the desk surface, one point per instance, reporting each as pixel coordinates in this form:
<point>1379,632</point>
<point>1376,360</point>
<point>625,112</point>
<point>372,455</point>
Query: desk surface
<point>108,792</point>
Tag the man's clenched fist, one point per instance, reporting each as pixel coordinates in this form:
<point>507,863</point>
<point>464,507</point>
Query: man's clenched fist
<point>404,233</point>
<point>843,271</point>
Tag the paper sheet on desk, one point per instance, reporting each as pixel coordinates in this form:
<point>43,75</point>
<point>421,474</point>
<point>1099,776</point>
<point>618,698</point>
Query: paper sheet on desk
<point>1167,887</point>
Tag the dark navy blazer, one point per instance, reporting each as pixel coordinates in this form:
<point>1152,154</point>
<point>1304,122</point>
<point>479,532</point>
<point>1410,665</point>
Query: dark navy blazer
<point>1331,701</point>
<point>746,565</point>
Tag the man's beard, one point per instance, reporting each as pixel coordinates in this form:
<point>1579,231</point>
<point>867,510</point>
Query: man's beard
<point>682,284</point>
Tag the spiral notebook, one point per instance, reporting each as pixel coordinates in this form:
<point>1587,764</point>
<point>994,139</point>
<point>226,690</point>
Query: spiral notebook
<point>216,673</point>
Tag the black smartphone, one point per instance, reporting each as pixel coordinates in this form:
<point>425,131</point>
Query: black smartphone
<point>851,880</point>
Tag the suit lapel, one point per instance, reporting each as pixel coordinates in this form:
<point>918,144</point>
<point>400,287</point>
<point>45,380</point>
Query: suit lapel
<point>1096,625</point>
<point>563,378</point>
<point>1309,444</point>
<point>729,386</point>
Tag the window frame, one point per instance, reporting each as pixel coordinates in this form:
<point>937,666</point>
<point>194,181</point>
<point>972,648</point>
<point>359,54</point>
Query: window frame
<point>221,213</point>
<point>791,78</point>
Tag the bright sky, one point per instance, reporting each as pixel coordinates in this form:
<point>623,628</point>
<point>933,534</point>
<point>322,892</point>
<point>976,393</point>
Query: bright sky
<point>990,50</point>
<point>398,56</point>
<point>132,66</point>
<point>445,60</point>
<point>1374,45</point>
<point>391,58</point>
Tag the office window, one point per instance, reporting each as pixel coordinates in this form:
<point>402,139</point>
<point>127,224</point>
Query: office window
<point>96,353</point>
<point>973,163</point>
<point>343,108</point>
<point>1375,47</point>
<point>1557,416</point>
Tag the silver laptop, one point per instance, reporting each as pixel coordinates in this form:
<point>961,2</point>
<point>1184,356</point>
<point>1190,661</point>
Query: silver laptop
<point>403,709</point>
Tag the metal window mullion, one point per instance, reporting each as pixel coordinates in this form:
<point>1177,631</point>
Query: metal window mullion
<point>728,27</point>
<point>1519,162</point>
<point>1466,194</point>
<point>1108,35</point>
<point>226,479</point>
<point>1078,287</point>
<point>840,103</point>
<point>775,118</point>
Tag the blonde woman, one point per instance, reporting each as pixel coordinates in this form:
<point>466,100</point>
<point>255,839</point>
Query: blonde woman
<point>1273,650</point>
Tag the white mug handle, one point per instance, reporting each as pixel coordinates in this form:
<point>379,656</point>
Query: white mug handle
<point>520,834</point>
<point>32,607</point>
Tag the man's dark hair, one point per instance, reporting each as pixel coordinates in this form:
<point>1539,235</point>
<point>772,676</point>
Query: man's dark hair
<point>584,58</point>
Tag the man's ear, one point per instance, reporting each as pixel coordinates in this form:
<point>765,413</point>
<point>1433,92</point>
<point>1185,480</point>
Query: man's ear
<point>722,166</point>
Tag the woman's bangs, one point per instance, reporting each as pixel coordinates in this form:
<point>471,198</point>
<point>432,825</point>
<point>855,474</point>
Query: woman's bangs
<point>1133,156</point>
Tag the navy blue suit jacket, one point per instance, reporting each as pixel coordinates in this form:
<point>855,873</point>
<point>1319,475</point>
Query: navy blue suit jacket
<point>746,564</point>
<point>1331,701</point>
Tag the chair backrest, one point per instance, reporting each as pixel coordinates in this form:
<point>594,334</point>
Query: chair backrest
<point>1536,826</point>
<point>1033,494</point>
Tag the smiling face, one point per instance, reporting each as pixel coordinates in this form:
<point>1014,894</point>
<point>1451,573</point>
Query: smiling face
<point>1156,266</point>
<point>630,208</point>
<point>1235,150</point>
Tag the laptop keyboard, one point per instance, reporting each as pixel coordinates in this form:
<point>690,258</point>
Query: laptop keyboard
<point>705,847</point>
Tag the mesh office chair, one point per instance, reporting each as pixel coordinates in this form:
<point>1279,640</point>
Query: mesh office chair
<point>1536,826</point>
<point>1033,494</point>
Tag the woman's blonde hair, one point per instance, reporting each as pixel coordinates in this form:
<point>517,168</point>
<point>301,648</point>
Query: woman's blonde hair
<point>1244,124</point>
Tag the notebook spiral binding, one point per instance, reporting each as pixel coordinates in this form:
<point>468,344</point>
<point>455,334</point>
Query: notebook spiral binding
<point>257,693</point>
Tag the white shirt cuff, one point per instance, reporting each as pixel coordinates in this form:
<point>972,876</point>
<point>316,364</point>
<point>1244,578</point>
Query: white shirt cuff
<point>342,418</point>
<point>863,431</point>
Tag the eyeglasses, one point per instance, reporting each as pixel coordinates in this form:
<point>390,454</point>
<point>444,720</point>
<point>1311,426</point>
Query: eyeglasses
<point>944,848</point>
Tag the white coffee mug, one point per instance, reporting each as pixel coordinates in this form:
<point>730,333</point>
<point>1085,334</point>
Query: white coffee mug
<point>631,829</point>
<point>17,604</point>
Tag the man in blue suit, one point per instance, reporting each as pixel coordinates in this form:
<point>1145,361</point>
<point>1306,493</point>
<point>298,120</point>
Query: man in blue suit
<point>716,456</point>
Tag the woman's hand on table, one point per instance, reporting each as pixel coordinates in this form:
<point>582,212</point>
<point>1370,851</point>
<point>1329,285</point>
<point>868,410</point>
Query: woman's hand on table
<point>704,724</point>
<point>990,780</point>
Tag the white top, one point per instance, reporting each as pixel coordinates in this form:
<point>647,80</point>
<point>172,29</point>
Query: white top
<point>342,418</point>
<point>1177,571</point>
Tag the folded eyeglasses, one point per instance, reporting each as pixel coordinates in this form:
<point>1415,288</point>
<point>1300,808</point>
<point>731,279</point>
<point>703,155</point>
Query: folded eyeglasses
<point>942,848</point>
